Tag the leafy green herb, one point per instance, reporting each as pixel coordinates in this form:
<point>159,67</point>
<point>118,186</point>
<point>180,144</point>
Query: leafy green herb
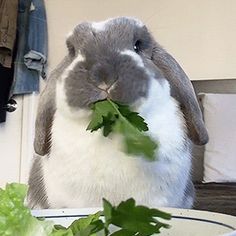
<point>131,220</point>
<point>15,217</point>
<point>134,220</point>
<point>112,116</point>
<point>88,226</point>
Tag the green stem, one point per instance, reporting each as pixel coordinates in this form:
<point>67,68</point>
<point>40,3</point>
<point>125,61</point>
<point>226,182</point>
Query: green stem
<point>115,108</point>
<point>122,117</point>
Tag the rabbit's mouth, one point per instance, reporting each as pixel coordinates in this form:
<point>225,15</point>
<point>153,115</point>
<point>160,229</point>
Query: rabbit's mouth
<point>116,92</point>
<point>106,90</point>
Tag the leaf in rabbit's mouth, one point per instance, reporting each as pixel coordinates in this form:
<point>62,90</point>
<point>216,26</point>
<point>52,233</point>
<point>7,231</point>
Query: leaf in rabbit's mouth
<point>114,117</point>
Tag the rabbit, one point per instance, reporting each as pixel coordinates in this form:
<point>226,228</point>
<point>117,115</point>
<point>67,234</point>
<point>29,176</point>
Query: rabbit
<point>117,59</point>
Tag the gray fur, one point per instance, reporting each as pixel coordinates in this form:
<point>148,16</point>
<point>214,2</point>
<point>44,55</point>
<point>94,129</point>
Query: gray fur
<point>189,196</point>
<point>46,111</point>
<point>42,142</point>
<point>104,64</point>
<point>182,91</point>
<point>37,197</point>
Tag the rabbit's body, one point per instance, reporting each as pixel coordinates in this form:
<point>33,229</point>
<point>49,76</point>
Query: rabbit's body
<point>101,169</point>
<point>76,168</point>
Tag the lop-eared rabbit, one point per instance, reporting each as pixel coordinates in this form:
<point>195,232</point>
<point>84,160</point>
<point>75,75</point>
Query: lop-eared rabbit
<point>117,59</point>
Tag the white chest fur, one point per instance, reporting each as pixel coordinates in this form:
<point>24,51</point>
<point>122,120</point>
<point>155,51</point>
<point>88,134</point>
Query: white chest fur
<point>84,167</point>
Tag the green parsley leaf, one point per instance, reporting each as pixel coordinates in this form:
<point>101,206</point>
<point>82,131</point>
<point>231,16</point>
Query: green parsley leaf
<point>102,109</point>
<point>88,226</point>
<point>133,117</point>
<point>62,232</point>
<point>115,117</point>
<point>134,220</point>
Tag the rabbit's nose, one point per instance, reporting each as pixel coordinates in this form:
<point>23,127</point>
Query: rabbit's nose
<point>107,87</point>
<point>102,75</point>
<point>103,86</point>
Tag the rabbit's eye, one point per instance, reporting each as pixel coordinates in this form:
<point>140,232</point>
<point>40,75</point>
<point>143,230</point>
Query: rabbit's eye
<point>137,46</point>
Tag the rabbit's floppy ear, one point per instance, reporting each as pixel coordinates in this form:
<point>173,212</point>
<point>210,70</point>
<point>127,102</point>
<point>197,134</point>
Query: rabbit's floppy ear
<point>46,111</point>
<point>182,90</point>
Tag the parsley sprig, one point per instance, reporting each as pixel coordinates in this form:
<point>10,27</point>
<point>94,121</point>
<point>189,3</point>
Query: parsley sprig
<point>118,118</point>
<point>133,220</point>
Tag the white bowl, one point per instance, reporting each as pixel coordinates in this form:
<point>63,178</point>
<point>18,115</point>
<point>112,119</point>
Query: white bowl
<point>184,222</point>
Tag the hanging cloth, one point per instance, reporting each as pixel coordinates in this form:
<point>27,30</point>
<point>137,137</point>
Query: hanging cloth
<point>32,47</point>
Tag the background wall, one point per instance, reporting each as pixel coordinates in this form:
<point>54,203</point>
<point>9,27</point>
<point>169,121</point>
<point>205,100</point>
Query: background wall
<point>200,34</point>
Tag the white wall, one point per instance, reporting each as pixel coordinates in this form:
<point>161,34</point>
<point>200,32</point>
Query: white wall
<point>16,141</point>
<point>10,146</point>
<point>201,34</point>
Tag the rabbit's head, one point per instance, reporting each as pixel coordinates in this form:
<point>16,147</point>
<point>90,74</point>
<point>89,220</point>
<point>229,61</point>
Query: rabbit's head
<point>117,59</point>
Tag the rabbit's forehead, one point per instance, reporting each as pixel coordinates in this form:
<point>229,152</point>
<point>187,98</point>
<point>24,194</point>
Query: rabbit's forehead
<point>114,27</point>
<point>110,23</point>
